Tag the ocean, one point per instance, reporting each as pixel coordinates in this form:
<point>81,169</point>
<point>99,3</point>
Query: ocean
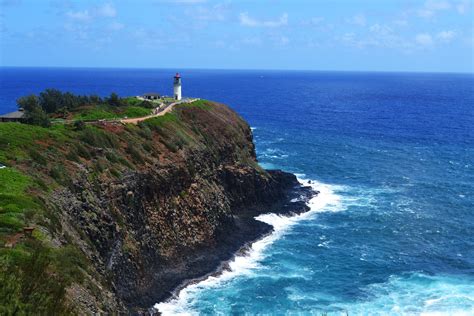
<point>392,154</point>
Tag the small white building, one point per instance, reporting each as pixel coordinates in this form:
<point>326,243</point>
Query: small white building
<point>177,87</point>
<point>151,96</point>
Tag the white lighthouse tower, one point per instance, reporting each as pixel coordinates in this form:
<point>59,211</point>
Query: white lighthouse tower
<point>177,87</point>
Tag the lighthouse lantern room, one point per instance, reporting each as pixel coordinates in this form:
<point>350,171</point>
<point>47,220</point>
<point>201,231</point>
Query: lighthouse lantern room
<point>177,87</point>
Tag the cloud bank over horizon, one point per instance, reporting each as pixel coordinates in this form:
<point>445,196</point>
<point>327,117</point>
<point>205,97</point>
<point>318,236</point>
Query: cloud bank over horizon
<point>432,35</point>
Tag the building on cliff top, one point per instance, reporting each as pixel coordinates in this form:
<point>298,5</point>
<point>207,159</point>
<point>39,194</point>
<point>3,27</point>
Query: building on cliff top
<point>16,116</point>
<point>151,96</point>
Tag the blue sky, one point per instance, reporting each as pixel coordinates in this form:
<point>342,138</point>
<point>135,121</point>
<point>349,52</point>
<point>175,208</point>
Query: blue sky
<point>367,35</point>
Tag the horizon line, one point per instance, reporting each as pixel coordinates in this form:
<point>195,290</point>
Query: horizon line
<point>246,69</point>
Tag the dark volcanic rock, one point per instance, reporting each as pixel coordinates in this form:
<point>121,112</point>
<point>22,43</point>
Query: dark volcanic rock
<point>179,214</point>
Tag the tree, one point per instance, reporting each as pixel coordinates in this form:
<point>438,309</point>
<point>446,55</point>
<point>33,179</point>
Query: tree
<point>28,102</point>
<point>114,99</point>
<point>36,116</point>
<point>95,99</point>
<point>51,100</point>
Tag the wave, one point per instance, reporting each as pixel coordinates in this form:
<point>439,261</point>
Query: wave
<point>417,294</point>
<point>247,262</point>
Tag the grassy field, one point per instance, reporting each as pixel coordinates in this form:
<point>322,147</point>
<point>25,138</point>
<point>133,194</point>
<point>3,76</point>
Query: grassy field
<point>108,112</point>
<point>14,200</point>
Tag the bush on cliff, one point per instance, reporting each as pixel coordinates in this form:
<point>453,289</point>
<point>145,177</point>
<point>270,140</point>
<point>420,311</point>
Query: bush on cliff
<point>52,103</point>
<point>34,279</point>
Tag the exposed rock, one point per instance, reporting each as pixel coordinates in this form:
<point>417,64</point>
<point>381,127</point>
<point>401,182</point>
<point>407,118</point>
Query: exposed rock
<point>177,216</point>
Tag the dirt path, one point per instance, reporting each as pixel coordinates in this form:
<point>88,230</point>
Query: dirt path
<point>167,109</point>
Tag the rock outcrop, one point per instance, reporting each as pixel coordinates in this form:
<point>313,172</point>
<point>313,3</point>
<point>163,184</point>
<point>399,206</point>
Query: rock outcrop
<point>165,202</point>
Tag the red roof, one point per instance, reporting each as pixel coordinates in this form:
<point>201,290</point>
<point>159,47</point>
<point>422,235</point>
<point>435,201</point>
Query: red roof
<point>177,75</point>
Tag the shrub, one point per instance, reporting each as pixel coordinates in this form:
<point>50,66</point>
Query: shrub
<point>99,138</point>
<point>59,174</point>
<point>147,104</point>
<point>125,162</point>
<point>34,280</point>
<point>72,155</point>
<point>37,116</point>
<point>37,157</point>
<point>131,101</point>
<point>147,146</point>
<point>83,152</point>
<point>145,131</point>
<point>115,172</point>
<point>133,151</point>
<point>100,165</point>
<point>79,125</point>
<point>171,146</point>
<point>114,100</point>
<point>111,156</point>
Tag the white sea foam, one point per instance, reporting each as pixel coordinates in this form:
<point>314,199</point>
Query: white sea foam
<point>417,294</point>
<point>244,264</point>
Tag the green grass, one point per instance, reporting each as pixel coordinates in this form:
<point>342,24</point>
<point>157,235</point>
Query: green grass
<point>98,138</point>
<point>16,139</point>
<point>104,112</point>
<point>132,101</point>
<point>18,144</point>
<point>95,114</point>
<point>160,121</point>
<point>14,200</point>
<point>201,104</point>
<point>136,111</point>
<point>12,181</point>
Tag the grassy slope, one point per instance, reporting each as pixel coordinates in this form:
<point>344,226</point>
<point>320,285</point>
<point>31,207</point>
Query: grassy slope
<point>108,112</point>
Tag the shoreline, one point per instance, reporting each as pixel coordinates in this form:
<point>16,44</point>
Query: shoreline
<point>298,204</point>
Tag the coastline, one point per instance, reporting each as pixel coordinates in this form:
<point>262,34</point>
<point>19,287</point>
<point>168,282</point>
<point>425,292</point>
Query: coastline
<point>297,205</point>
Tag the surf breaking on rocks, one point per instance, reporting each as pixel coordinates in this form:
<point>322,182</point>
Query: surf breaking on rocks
<point>245,262</point>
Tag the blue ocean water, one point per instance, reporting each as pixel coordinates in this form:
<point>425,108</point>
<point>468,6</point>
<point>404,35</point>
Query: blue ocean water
<point>392,231</point>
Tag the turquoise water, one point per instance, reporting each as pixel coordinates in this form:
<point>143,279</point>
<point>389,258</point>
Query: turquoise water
<point>392,231</point>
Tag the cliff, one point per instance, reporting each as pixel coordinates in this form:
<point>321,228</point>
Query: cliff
<point>145,207</point>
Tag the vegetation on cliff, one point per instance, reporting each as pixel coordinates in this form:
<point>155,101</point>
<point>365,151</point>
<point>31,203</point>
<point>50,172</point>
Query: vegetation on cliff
<point>108,200</point>
<point>54,105</point>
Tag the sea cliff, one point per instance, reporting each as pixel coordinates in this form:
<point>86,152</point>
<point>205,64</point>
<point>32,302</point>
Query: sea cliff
<point>146,207</point>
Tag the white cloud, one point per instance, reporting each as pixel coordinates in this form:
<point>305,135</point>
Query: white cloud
<point>424,39</point>
<point>79,15</point>
<point>431,7</point>
<point>358,19</point>
<point>106,10</point>
<point>216,12</point>
<point>378,36</point>
<point>246,20</point>
<point>463,6</point>
<point>446,36</point>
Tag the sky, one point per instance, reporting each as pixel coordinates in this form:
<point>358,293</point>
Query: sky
<point>343,35</point>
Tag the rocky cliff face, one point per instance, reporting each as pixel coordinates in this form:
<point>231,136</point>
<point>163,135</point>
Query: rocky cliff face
<point>163,203</point>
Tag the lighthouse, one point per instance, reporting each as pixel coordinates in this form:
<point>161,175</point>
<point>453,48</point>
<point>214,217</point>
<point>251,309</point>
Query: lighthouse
<point>177,87</point>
